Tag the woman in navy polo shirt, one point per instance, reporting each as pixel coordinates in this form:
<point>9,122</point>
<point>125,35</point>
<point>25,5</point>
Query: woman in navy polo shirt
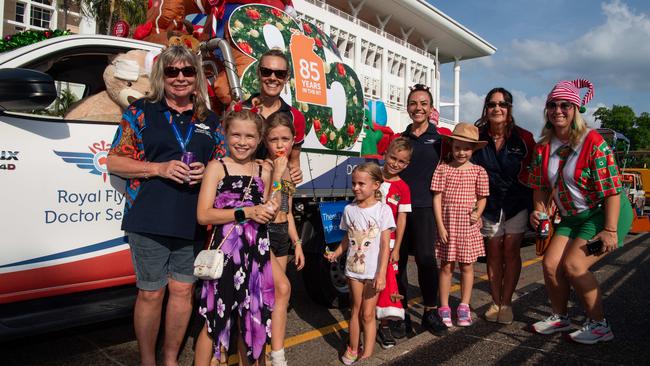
<point>505,159</point>
<point>420,233</point>
<point>162,193</point>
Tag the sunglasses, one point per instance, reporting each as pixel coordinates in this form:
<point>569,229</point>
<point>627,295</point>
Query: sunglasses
<point>501,104</point>
<point>280,74</point>
<point>419,87</point>
<point>172,72</point>
<point>564,106</point>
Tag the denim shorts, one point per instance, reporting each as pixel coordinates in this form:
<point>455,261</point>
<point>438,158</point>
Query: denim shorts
<point>514,225</point>
<point>279,238</point>
<point>156,258</point>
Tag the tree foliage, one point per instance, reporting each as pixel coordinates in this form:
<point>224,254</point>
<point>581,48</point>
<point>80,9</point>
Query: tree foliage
<point>107,12</point>
<point>621,118</point>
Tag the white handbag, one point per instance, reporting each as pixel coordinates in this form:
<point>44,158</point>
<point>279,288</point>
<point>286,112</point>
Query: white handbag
<point>209,263</point>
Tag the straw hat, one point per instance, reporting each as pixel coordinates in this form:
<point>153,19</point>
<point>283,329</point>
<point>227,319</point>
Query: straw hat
<point>468,133</point>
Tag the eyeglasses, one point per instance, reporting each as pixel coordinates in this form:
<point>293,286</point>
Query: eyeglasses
<point>280,74</point>
<point>501,104</point>
<point>172,72</point>
<point>564,106</point>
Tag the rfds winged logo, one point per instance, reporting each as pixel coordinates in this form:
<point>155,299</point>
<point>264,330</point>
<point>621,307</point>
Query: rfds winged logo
<point>94,161</point>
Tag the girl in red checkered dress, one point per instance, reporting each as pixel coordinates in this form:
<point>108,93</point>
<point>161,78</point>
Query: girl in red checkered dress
<point>460,188</point>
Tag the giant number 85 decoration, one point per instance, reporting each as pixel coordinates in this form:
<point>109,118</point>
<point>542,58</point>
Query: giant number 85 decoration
<point>255,29</point>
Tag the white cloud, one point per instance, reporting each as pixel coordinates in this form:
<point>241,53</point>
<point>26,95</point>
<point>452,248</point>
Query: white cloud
<point>471,106</point>
<point>615,53</point>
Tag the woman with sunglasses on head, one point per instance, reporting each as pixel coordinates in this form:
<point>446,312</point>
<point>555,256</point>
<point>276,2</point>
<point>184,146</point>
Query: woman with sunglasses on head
<point>420,232</point>
<point>576,166</point>
<point>273,73</point>
<point>161,147</point>
<point>505,158</point>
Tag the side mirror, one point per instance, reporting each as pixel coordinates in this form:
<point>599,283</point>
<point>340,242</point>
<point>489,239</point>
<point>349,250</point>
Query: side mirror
<point>23,90</point>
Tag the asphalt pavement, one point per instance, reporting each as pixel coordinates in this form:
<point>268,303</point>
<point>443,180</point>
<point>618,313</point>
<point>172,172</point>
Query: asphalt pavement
<point>624,277</point>
<point>317,336</point>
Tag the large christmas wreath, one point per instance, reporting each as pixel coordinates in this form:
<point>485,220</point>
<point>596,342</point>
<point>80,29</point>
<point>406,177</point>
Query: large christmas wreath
<point>28,37</point>
<point>246,28</point>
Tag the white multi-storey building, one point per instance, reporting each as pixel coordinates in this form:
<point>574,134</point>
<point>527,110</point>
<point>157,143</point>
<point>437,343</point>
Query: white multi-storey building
<point>393,44</point>
<point>21,15</point>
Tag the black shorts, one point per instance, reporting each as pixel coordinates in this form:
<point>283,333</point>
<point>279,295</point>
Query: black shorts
<point>279,238</point>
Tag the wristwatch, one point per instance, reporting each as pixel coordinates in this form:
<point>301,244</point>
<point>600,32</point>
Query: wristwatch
<point>240,215</point>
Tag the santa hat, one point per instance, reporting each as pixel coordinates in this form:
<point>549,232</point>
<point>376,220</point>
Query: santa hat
<point>570,90</point>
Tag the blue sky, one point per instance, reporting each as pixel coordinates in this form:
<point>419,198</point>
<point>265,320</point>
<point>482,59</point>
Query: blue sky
<point>541,42</point>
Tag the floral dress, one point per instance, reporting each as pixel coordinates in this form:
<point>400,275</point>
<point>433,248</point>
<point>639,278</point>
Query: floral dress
<point>244,295</point>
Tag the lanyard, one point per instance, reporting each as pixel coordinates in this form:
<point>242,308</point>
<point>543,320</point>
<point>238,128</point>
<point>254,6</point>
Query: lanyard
<point>177,133</point>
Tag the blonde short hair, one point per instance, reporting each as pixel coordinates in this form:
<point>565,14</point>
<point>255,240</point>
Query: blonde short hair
<point>170,56</point>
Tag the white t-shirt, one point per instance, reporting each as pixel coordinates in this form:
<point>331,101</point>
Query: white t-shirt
<point>364,227</point>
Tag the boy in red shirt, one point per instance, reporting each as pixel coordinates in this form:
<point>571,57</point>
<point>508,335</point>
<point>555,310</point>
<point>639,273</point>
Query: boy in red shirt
<point>397,195</point>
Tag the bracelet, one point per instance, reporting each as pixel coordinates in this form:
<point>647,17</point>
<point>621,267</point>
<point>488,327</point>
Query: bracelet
<point>276,186</point>
<point>298,242</point>
<point>146,174</point>
<point>610,231</point>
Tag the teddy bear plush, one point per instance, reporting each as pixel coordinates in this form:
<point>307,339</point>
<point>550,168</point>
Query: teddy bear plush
<point>126,80</point>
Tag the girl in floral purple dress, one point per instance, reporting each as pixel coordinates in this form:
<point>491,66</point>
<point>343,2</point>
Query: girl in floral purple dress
<point>232,198</point>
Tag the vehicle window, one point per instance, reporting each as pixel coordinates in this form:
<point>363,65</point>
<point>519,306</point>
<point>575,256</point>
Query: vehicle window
<point>78,74</point>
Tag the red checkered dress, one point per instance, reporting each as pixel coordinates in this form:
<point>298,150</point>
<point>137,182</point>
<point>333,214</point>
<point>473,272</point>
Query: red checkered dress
<point>460,189</point>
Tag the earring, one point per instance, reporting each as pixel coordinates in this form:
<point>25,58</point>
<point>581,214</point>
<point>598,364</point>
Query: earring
<point>573,125</point>
<point>548,125</point>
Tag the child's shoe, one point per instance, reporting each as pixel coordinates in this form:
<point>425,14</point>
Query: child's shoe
<point>464,315</point>
<point>552,324</point>
<point>492,314</point>
<point>350,356</point>
<point>593,332</point>
<point>385,337</point>
<point>277,358</point>
<point>444,312</point>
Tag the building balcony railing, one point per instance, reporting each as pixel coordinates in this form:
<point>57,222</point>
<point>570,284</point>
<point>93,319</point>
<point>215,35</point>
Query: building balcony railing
<point>368,26</point>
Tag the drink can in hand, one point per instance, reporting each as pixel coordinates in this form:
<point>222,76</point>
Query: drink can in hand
<point>188,157</point>
<point>544,226</point>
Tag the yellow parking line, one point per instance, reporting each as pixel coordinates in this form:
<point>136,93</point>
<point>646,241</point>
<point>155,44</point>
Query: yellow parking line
<point>343,324</point>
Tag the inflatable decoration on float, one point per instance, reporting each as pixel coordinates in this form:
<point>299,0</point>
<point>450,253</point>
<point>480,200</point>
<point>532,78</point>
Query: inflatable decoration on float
<point>205,20</point>
<point>321,86</point>
<point>327,91</point>
<point>378,136</point>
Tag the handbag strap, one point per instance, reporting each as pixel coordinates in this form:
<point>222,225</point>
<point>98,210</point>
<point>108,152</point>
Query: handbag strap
<point>214,229</point>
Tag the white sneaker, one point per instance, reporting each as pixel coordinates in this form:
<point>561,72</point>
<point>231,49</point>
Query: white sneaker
<point>277,358</point>
<point>552,324</point>
<point>593,332</point>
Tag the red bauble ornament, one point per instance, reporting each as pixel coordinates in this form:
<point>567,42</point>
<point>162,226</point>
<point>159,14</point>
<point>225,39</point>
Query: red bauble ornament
<point>121,29</point>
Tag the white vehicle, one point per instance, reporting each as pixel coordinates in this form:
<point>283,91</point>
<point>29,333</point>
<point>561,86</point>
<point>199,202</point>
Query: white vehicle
<point>62,246</point>
<point>61,210</point>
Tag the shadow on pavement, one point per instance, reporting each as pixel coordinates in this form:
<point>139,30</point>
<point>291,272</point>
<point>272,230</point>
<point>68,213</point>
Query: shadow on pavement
<point>624,277</point>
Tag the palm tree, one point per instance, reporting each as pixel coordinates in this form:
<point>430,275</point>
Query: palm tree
<point>107,12</point>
